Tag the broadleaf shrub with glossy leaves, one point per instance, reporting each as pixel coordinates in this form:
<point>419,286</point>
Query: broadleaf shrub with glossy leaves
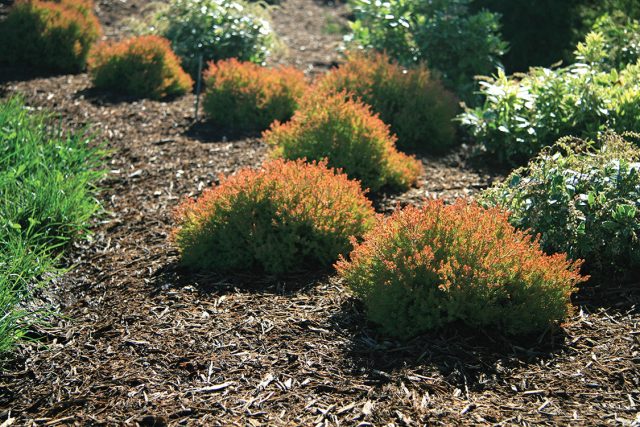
<point>215,29</point>
<point>524,113</point>
<point>443,33</point>
<point>621,36</point>
<point>248,97</point>
<point>350,137</point>
<point>283,218</point>
<point>52,35</point>
<point>582,198</point>
<point>142,66</point>
<point>422,268</point>
<point>412,101</point>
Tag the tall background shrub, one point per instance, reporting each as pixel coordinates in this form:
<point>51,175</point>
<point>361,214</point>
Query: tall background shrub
<point>215,29</point>
<point>50,35</point>
<point>524,113</point>
<point>543,32</point>
<point>444,34</point>
<point>412,101</point>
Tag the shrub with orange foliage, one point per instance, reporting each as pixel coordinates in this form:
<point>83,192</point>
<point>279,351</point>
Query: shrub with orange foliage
<point>247,97</point>
<point>284,217</point>
<point>420,269</point>
<point>414,103</point>
<point>142,66</point>
<point>350,137</point>
<point>53,35</point>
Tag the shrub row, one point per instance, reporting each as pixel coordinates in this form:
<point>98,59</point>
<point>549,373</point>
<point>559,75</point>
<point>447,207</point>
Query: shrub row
<point>47,197</point>
<point>417,270</point>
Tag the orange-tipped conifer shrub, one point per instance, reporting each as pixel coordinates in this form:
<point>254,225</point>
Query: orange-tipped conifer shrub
<point>285,217</point>
<point>52,35</point>
<point>350,137</point>
<point>414,103</point>
<point>140,66</point>
<point>247,97</point>
<point>420,269</point>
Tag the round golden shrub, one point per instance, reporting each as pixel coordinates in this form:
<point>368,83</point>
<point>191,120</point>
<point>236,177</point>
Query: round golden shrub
<point>142,66</point>
<point>284,217</point>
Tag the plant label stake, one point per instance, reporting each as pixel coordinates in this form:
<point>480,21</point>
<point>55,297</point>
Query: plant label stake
<point>198,85</point>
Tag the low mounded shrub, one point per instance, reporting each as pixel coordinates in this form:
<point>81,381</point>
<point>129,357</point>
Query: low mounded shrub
<point>524,113</point>
<point>583,199</point>
<point>415,104</point>
<point>215,29</point>
<point>53,35</point>
<point>247,97</point>
<point>420,269</point>
<point>350,137</point>
<point>141,66</point>
<point>445,34</point>
<point>282,218</point>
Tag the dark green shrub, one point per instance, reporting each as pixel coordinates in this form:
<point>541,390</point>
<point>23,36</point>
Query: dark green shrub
<point>442,33</point>
<point>582,200</point>
<point>350,137</point>
<point>418,109</point>
<point>420,269</point>
<point>543,32</point>
<point>524,113</point>
<point>54,36</point>
<point>243,96</point>
<point>141,66</point>
<point>283,218</point>
<point>215,29</point>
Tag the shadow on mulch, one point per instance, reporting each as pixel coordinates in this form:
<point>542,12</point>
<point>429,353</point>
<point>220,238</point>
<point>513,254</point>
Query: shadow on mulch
<point>25,74</point>
<point>207,132</point>
<point>102,97</point>
<point>174,276</point>
<point>598,294</point>
<point>466,357</point>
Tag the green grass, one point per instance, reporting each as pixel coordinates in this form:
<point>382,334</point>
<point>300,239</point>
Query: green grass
<point>47,198</point>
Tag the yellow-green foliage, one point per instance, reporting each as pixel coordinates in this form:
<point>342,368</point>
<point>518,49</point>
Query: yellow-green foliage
<point>420,269</point>
<point>350,137</point>
<point>282,218</point>
<point>413,102</point>
<point>141,66</point>
<point>52,35</point>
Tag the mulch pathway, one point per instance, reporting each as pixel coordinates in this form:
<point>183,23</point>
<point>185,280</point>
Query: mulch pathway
<point>141,342</point>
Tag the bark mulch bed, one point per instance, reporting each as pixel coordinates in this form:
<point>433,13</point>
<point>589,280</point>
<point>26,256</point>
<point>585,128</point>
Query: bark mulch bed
<point>140,342</point>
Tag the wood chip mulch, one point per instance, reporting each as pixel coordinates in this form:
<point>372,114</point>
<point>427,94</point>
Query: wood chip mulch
<point>140,342</point>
